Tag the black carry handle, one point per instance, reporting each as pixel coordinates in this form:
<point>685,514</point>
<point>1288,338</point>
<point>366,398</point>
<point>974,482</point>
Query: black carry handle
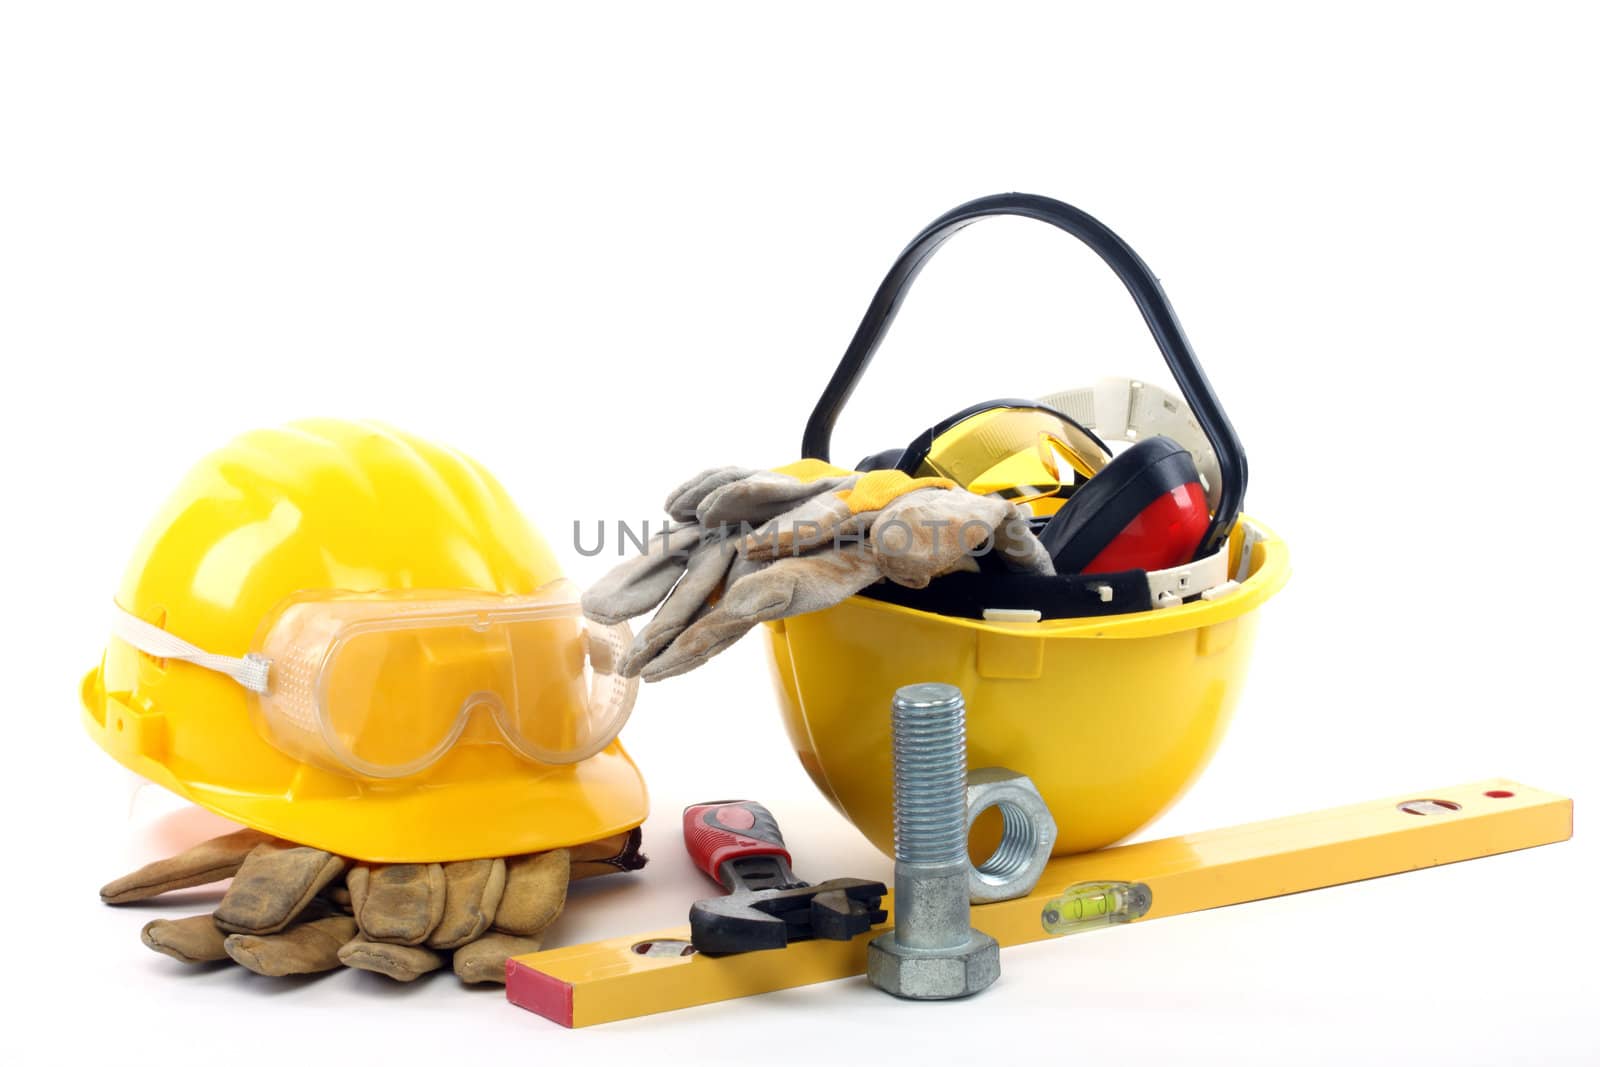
<point>1141,284</point>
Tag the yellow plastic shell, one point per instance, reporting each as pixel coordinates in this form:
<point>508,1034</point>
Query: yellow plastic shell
<point>1112,718</point>
<point>329,505</point>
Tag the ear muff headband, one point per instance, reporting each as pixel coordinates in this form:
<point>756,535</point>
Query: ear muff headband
<point>1136,277</point>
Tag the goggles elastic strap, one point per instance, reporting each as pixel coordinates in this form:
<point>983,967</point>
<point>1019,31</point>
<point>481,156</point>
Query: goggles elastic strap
<point>249,671</point>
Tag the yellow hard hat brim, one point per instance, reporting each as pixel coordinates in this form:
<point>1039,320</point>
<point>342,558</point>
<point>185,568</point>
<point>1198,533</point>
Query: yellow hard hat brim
<point>478,810</point>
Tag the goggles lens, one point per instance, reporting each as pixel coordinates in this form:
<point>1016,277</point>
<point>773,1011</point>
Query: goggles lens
<point>1025,455</point>
<point>384,684</point>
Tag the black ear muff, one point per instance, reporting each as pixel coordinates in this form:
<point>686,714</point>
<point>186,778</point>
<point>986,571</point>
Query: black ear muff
<point>1146,510</point>
<point>887,460</point>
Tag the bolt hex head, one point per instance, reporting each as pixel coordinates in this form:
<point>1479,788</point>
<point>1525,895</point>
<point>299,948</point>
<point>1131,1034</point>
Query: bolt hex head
<point>933,974</point>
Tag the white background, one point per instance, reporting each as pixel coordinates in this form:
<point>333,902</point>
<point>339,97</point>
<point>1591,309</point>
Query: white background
<point>601,250</point>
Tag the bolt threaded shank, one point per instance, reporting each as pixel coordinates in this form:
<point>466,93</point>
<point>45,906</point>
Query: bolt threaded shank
<point>930,775</point>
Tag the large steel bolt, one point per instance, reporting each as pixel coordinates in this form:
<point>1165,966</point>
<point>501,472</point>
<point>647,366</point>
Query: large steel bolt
<point>933,953</point>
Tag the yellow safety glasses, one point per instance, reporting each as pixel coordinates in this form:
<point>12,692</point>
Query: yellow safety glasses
<point>1021,451</point>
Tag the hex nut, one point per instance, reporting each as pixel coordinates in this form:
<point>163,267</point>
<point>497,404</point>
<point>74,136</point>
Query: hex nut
<point>1025,846</point>
<point>933,974</point>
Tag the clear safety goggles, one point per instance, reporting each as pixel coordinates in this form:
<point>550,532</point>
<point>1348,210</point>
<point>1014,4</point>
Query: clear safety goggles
<point>1025,453</point>
<point>384,684</point>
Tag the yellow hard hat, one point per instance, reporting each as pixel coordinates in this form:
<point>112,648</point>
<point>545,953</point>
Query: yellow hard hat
<point>1109,690</point>
<point>351,638</point>
<point>1112,717</point>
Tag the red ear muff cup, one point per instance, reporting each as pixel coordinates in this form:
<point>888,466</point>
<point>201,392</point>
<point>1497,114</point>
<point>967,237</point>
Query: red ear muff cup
<point>1165,534</point>
<point>1145,511</point>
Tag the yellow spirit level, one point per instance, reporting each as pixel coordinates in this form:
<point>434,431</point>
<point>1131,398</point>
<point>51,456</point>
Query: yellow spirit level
<point>626,977</point>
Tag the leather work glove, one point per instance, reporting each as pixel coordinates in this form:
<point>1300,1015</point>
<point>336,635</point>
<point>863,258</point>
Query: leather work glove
<point>685,567</point>
<point>298,910</point>
<point>766,545</point>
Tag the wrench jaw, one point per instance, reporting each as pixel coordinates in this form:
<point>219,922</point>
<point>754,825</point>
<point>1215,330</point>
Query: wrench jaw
<point>720,926</point>
<point>846,907</point>
<point>836,910</point>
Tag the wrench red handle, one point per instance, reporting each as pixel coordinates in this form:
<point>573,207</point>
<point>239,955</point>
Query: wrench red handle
<point>723,830</point>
